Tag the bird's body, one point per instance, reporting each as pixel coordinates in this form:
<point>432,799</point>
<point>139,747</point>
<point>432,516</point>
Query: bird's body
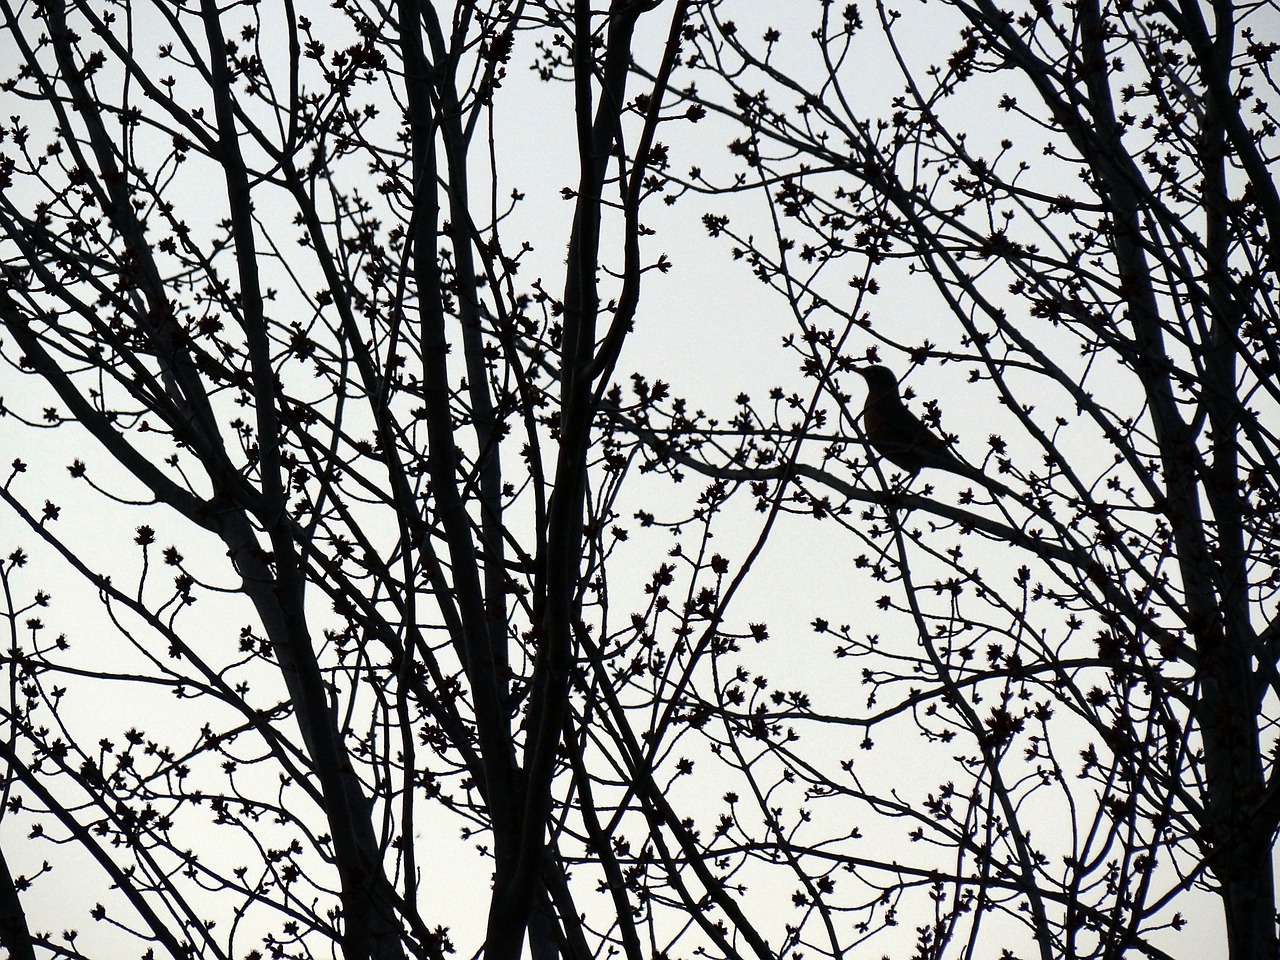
<point>898,435</point>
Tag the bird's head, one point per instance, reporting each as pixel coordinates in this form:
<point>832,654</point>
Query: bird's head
<point>880,379</point>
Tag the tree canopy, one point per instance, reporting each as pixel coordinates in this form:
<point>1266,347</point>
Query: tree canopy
<point>447,513</point>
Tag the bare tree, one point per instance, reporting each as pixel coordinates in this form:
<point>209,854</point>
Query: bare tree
<point>286,315</point>
<point>256,257</point>
<point>1080,198</point>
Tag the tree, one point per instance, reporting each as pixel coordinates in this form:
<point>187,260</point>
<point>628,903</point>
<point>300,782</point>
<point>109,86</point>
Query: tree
<point>344,397</point>
<point>261,266</point>
<point>1103,257</point>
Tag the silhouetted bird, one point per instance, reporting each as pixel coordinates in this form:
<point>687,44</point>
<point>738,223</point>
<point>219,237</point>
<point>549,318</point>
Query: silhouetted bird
<point>899,436</point>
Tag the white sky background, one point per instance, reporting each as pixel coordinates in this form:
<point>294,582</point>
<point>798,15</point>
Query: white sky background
<point>709,328</point>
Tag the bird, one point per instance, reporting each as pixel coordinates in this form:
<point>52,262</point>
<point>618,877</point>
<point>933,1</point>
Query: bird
<point>899,436</point>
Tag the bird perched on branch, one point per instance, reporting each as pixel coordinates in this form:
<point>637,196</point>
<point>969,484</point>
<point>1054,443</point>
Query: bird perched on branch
<point>899,436</point>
